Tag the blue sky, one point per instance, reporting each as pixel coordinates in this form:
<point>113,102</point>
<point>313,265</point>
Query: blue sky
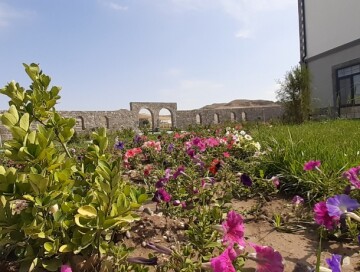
<point>106,54</point>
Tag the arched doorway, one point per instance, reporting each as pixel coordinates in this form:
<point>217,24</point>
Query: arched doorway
<point>145,119</point>
<point>165,119</point>
<point>198,119</point>
<point>232,116</point>
<point>243,116</point>
<point>79,125</point>
<point>216,118</point>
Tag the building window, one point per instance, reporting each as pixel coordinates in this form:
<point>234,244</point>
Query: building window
<point>348,85</point>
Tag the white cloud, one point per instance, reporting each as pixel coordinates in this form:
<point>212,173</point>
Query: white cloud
<point>117,7</point>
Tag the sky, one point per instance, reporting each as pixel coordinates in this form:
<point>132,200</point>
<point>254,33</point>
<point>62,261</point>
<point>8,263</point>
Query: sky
<point>107,53</point>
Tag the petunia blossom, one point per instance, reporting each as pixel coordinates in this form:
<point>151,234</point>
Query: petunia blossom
<point>233,228</point>
<point>246,180</point>
<point>334,263</point>
<point>223,262</point>
<point>267,259</point>
<point>65,268</point>
<point>322,216</point>
<point>297,200</point>
<point>161,195</point>
<point>311,165</point>
<point>353,176</point>
<point>339,204</point>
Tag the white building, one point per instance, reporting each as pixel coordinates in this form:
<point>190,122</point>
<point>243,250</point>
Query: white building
<point>330,47</point>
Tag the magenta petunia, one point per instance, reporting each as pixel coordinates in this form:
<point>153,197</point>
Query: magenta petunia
<point>353,176</point>
<point>322,216</point>
<point>65,268</point>
<point>233,228</point>
<point>161,195</point>
<point>311,165</point>
<point>339,204</point>
<point>223,262</point>
<point>267,259</point>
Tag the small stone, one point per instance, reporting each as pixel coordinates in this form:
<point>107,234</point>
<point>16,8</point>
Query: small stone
<point>144,244</point>
<point>346,261</point>
<point>167,233</point>
<point>172,247</point>
<point>157,241</point>
<point>128,234</point>
<point>159,214</point>
<point>165,237</point>
<point>148,211</point>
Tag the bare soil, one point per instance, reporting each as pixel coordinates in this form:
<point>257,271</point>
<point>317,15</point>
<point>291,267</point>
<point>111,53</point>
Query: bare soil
<point>297,241</point>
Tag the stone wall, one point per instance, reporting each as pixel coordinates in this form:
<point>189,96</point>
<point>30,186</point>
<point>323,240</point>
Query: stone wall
<point>87,120</point>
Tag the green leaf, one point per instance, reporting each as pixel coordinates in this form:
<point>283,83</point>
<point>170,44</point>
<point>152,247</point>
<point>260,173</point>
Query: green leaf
<point>13,111</point>
<point>51,264</point>
<point>66,248</point>
<point>87,211</point>
<point>38,183</point>
<point>49,247</point>
<point>142,198</point>
<point>24,121</point>
<point>33,264</point>
<point>32,70</point>
<point>88,238</point>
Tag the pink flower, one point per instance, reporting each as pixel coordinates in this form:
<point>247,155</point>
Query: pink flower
<point>233,229</point>
<point>223,262</point>
<point>322,216</point>
<point>65,268</point>
<point>275,180</point>
<point>297,200</point>
<point>352,176</point>
<point>267,259</point>
<point>311,165</point>
<point>226,154</point>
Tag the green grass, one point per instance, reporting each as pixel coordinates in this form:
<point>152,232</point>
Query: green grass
<point>335,143</point>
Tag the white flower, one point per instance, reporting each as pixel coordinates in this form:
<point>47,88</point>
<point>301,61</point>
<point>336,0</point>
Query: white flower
<point>248,137</point>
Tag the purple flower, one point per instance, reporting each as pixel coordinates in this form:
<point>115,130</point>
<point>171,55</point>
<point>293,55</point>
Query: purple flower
<point>179,172</point>
<point>347,190</point>
<point>334,263</point>
<point>170,148</point>
<point>297,200</point>
<point>190,152</point>
<point>311,165</point>
<point>137,139</point>
<point>339,204</point>
<point>161,195</point>
<point>119,145</point>
<point>246,180</point>
<point>161,182</point>
<point>176,202</point>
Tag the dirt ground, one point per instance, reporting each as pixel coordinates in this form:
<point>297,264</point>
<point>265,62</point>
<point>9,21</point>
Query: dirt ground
<point>297,245</point>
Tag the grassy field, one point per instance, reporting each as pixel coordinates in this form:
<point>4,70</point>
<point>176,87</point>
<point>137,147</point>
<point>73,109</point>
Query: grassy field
<point>335,143</point>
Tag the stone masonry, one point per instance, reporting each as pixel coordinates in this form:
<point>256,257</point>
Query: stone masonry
<point>182,119</point>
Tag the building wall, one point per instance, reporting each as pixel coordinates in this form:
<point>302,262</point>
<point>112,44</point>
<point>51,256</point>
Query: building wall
<point>330,23</point>
<point>87,120</point>
<point>322,67</point>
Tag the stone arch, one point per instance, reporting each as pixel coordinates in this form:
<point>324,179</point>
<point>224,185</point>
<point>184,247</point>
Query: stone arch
<point>243,116</point>
<point>232,116</point>
<point>198,119</point>
<point>165,119</point>
<point>146,118</point>
<point>80,124</point>
<point>154,108</point>
<point>216,118</point>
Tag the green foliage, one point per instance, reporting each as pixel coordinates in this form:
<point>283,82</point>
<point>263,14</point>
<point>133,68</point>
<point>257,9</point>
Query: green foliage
<point>289,147</point>
<point>54,206</point>
<point>294,94</point>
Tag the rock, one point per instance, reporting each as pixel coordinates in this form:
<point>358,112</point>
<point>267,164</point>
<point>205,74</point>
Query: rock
<point>128,234</point>
<point>143,244</point>
<point>148,211</point>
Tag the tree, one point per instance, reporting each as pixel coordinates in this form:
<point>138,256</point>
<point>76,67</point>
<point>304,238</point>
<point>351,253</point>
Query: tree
<point>294,94</point>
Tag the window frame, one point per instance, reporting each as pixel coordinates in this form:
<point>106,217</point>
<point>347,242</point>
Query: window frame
<point>352,90</point>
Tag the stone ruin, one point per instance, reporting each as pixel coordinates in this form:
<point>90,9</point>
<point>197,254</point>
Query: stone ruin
<point>180,119</point>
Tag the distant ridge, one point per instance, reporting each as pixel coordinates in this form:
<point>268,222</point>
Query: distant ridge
<point>241,103</point>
